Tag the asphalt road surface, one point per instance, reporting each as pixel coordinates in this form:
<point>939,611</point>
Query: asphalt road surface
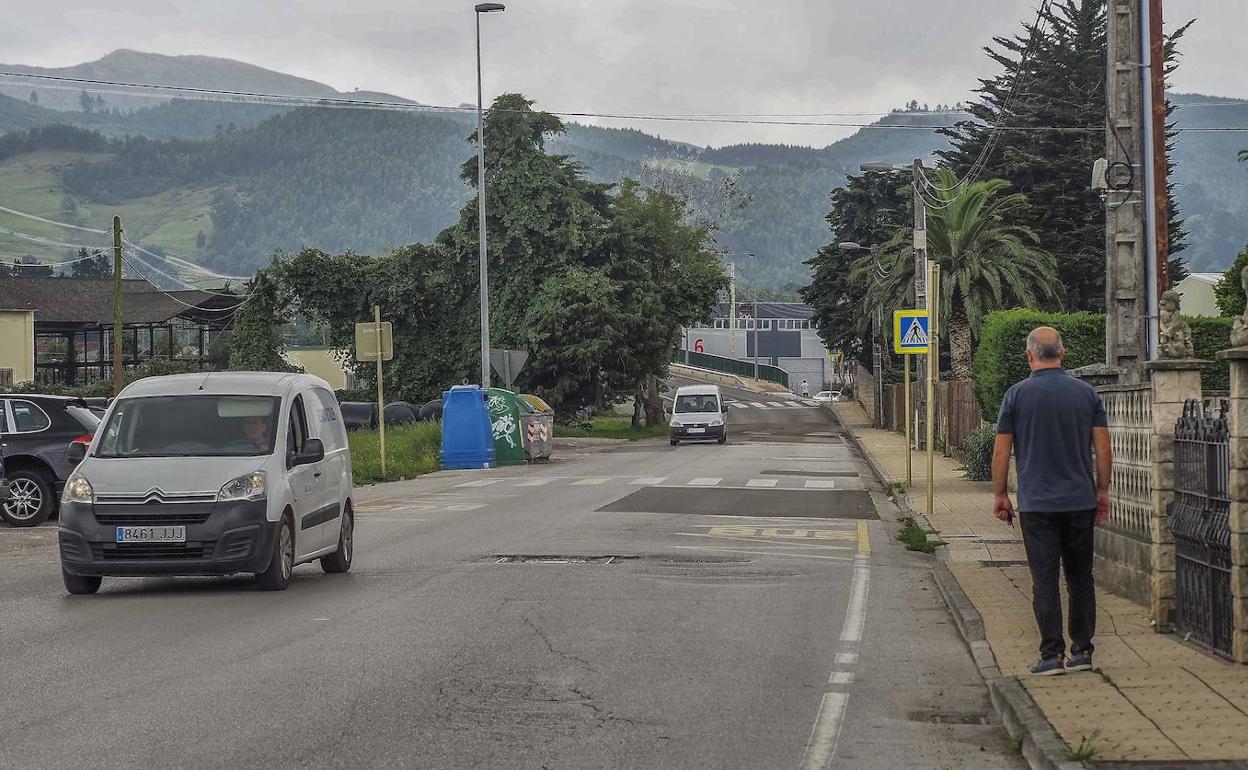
<point>737,606</point>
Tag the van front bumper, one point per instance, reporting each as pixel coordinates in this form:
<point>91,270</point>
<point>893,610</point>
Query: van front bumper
<point>687,432</point>
<point>232,537</point>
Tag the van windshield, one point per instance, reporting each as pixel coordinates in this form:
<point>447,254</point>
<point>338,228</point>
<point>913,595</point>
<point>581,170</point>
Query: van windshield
<point>707,402</point>
<point>191,426</point>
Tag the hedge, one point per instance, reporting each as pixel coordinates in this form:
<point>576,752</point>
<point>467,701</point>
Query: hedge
<point>1001,358</point>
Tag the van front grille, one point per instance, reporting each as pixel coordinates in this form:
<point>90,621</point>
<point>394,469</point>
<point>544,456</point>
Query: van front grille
<point>152,551</point>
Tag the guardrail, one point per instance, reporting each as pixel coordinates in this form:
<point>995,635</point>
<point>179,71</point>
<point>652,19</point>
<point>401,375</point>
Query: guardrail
<point>735,366</point>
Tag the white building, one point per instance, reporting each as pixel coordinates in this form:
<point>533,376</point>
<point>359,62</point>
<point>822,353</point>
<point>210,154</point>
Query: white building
<point>785,336</point>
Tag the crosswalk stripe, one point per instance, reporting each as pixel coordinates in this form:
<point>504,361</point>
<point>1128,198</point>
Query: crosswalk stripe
<point>775,404</point>
<point>649,481</point>
<point>757,404</point>
<point>768,483</point>
<point>704,482</point>
<point>589,482</point>
<point>740,405</point>
<point>820,484</point>
<point>533,482</point>
<point>480,483</point>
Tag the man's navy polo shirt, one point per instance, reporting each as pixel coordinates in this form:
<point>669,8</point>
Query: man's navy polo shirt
<point>1051,415</point>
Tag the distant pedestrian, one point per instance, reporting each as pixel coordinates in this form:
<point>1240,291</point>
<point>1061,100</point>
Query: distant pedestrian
<point>805,389</point>
<point>1053,421</point>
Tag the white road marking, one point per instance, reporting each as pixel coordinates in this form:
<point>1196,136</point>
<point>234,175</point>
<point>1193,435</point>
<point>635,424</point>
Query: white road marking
<point>480,483</point>
<point>820,484</point>
<point>533,482</point>
<point>821,746</point>
<point>775,404</point>
<point>762,482</point>
<point>846,658</point>
<point>740,405</point>
<point>703,482</point>
<point>757,404</point>
<point>649,481</point>
<point>590,482</point>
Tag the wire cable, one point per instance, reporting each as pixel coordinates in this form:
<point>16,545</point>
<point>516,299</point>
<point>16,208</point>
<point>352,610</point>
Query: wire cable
<point>178,300</point>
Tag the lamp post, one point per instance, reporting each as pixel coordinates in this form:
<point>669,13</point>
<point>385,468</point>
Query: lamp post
<point>485,271</point>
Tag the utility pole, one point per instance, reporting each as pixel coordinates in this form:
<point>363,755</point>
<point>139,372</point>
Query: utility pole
<point>920,286</point>
<point>732,310</point>
<point>1153,40</point>
<point>755,314</point>
<point>877,364</point>
<point>1128,273</point>
<point>119,358</point>
<point>479,9</point>
<point>933,374</point>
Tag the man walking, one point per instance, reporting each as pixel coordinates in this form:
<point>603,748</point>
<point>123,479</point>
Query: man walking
<point>1052,421</point>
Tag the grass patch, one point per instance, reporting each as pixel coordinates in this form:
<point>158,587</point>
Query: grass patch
<point>915,538</point>
<point>411,451</point>
<point>611,427</point>
<point>895,489</point>
<point>1084,751</point>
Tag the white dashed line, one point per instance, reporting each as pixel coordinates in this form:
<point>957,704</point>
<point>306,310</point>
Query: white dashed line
<point>589,482</point>
<point>649,481</point>
<point>768,483</point>
<point>820,484</point>
<point>704,482</point>
<point>846,658</point>
<point>841,677</point>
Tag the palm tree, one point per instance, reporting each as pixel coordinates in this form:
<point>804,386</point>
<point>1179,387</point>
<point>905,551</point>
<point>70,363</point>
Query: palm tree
<point>986,263</point>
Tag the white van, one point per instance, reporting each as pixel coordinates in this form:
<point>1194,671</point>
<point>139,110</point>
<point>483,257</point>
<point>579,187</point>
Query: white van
<point>699,413</point>
<point>211,474</point>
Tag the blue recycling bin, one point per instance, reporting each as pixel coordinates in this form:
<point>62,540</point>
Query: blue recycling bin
<point>467,436</point>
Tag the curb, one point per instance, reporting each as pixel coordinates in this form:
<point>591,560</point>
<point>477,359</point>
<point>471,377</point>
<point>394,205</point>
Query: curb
<point>1041,746</point>
<point>901,501</point>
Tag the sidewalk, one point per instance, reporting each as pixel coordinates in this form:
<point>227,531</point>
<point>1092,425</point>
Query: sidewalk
<point>1152,697</point>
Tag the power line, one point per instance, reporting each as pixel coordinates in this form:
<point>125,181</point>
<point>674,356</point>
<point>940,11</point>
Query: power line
<point>185,285</point>
<point>178,299</point>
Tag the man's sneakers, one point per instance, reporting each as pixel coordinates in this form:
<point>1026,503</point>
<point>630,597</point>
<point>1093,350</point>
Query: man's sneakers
<point>1047,667</point>
<point>1080,661</point>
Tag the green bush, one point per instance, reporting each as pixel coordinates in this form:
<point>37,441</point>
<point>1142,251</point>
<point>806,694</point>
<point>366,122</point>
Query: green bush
<point>1001,359</point>
<point>977,453</point>
<point>1210,335</point>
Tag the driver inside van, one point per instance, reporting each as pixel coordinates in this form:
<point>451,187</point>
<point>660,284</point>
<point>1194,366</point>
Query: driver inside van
<point>256,431</point>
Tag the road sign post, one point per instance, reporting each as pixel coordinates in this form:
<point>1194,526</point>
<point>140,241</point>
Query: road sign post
<point>508,364</point>
<point>375,342</point>
<point>910,338</point>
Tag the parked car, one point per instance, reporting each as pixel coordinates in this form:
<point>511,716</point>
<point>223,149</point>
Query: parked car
<point>194,475</point>
<point>35,434</point>
<point>699,412</point>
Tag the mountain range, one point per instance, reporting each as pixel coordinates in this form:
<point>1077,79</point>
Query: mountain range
<point>226,183</point>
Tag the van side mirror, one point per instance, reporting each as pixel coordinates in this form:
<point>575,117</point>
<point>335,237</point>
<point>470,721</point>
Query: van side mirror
<point>76,453</point>
<point>725,409</point>
<point>313,451</point>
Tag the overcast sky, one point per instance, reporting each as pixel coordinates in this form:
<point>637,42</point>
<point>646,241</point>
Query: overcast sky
<point>618,56</point>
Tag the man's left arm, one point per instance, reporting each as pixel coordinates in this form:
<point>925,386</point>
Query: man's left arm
<point>1104,464</point>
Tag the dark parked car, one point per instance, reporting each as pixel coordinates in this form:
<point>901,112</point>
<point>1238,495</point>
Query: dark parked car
<point>35,434</point>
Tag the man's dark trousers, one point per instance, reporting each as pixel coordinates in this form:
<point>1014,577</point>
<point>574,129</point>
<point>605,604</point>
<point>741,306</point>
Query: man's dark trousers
<point>1065,540</point>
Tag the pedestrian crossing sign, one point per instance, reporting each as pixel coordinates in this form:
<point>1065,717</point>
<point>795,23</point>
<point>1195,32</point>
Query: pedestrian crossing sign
<point>910,329</point>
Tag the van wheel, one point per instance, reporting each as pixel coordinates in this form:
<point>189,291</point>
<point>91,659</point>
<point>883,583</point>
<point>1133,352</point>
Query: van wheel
<point>340,560</point>
<point>282,563</point>
<point>30,499</point>
<point>81,584</point>
<point>675,442</point>
<point>724,438</point>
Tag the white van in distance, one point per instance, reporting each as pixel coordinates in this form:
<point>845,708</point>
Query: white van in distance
<point>699,413</point>
<point>211,474</point>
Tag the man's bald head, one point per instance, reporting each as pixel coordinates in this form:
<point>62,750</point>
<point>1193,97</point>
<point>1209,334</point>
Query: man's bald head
<point>1044,345</point>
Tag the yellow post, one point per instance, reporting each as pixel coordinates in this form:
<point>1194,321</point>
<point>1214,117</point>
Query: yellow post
<point>933,374</point>
<point>381,401</point>
<point>906,419</point>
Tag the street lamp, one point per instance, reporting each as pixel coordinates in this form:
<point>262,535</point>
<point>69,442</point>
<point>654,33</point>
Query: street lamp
<point>485,280</point>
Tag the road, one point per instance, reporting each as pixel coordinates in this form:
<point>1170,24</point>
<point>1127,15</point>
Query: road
<point>738,606</point>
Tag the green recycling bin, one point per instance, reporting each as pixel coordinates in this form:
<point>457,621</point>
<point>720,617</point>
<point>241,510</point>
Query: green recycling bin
<point>505,423</point>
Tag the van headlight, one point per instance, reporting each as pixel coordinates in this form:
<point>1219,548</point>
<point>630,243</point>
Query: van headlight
<point>716,422</point>
<point>78,490</point>
<point>674,423</point>
<point>248,487</point>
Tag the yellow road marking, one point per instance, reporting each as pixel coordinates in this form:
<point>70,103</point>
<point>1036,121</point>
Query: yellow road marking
<point>766,553</point>
<point>786,533</point>
<point>777,543</point>
<point>864,539</point>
